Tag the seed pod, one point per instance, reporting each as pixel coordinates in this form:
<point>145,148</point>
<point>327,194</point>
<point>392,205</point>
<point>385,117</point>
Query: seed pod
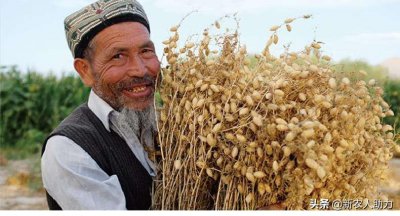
<point>189,45</point>
<point>217,128</point>
<point>243,170</point>
<point>289,20</point>
<point>241,138</point>
<point>230,118</point>
<point>274,28</point>
<point>219,161</point>
<point>286,151</point>
<point>200,119</point>
<point>243,111</point>
<point>275,166</point>
<point>314,68</point>
<point>328,138</point>
<point>209,172</point>
<point>259,174</point>
<point>225,179</point>
<point>326,104</point>
<point>249,101</point>
<point>312,163</point>
<point>372,82</point>
<point>163,117</point>
<point>233,107</point>
<point>238,96</point>
<point>177,164</point>
<point>278,180</point>
<point>279,93</point>
<point>276,38</point>
<point>290,165</point>
<point>235,152</point>
<point>272,107</point>
<point>200,103</point>
<point>344,143</point>
<point>304,74</point>
<point>172,44</point>
<point>174,28</point>
<point>308,124</point>
<point>172,60</point>
<point>332,83</point>
<point>302,96</point>
<point>214,88</point>
<point>362,72</point>
<point>198,83</point>
<point>261,189</point>
<point>316,45</point>
<point>166,42</point>
<point>281,127</point>
<point>230,136</point>
<point>268,96</point>
<point>280,121</point>
<point>326,58</point>
<point>321,172</point>
<point>212,109</point>
<point>201,164</point>
<point>386,128</point>
<point>217,25</point>
<point>204,87</point>
<point>339,152</point>
<point>267,188</point>
<point>288,28</point>
<point>310,144</point>
<point>346,81</point>
<point>250,177</point>
<point>344,115</point>
<point>290,136</point>
<point>240,189</point>
<point>211,141</point>
<point>249,198</point>
<point>258,121</point>
<point>308,133</point>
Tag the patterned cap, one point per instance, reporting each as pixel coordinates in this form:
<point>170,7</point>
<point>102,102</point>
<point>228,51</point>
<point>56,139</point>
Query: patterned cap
<point>83,25</point>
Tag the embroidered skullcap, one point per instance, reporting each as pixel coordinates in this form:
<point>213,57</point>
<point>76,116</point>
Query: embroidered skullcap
<point>83,25</point>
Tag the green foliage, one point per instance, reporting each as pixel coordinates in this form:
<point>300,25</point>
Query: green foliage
<point>352,68</point>
<point>33,104</point>
<point>392,97</point>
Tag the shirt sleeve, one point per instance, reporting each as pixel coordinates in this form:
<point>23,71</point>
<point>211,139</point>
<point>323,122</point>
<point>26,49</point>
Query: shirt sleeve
<point>75,180</point>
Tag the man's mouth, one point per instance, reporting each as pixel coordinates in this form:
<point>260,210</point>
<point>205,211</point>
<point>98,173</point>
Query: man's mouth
<point>138,91</point>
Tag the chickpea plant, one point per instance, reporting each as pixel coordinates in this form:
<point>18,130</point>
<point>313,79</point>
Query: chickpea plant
<point>284,130</point>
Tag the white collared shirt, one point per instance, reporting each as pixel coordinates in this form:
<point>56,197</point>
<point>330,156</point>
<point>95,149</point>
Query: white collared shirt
<point>75,180</point>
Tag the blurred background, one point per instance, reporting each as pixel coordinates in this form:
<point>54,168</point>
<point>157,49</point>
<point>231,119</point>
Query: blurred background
<point>39,87</point>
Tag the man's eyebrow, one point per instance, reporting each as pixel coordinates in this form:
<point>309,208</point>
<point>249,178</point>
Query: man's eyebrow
<point>122,49</point>
<point>116,49</point>
<point>147,44</point>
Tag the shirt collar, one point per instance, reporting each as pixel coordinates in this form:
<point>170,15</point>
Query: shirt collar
<point>100,108</point>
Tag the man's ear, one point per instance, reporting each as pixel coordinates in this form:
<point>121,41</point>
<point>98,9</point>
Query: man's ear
<point>85,71</point>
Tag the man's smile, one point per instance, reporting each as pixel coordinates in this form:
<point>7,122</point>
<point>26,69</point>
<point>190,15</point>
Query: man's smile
<point>138,91</point>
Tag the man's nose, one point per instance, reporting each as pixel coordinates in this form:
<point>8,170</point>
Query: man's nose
<point>137,67</point>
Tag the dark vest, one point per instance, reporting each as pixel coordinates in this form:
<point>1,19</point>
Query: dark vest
<point>111,153</point>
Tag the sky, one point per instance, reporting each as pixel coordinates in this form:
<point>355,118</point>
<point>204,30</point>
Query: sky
<point>32,32</point>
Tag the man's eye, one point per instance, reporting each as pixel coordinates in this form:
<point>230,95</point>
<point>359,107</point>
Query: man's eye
<point>147,50</point>
<point>117,56</point>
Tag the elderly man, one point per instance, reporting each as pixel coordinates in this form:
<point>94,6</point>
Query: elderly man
<point>96,157</point>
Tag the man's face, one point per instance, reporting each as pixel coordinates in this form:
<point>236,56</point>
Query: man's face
<point>124,66</point>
